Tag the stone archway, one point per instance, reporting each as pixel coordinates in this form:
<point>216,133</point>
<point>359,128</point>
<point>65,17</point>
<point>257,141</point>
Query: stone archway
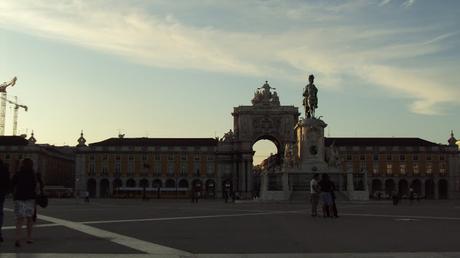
<point>91,186</point>
<point>183,183</point>
<point>403,187</point>
<point>144,183</point>
<point>264,119</point>
<point>442,189</point>
<point>376,186</point>
<point>429,189</point>
<point>104,188</point>
<point>389,187</point>
<point>157,183</point>
<point>417,186</point>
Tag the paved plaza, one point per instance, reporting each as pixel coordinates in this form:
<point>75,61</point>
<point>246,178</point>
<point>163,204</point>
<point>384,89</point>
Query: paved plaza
<point>212,228</point>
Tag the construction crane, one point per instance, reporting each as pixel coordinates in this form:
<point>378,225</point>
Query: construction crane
<point>3,101</point>
<point>15,114</point>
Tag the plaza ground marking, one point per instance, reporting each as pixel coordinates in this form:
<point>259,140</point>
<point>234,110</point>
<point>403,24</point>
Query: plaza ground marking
<point>399,216</point>
<point>187,217</point>
<point>130,242</point>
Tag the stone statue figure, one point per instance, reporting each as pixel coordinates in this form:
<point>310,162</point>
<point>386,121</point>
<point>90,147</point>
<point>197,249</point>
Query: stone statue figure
<point>310,100</point>
<point>333,156</point>
<point>229,136</point>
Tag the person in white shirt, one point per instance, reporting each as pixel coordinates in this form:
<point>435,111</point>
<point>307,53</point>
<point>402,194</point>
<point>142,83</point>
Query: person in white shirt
<point>314,195</point>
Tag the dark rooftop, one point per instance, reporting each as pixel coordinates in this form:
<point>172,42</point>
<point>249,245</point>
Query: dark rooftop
<point>157,142</point>
<point>13,141</point>
<point>380,141</point>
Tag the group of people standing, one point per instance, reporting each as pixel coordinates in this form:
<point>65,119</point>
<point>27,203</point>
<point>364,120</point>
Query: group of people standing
<point>24,186</point>
<point>323,190</point>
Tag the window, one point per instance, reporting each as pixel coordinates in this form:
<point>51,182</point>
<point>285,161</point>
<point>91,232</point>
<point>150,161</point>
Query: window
<point>117,169</point>
<point>130,168</point>
<point>131,157</point>
<point>388,156</point>
<point>442,168</point>
<point>375,168</point>
<point>91,157</point>
<point>428,157</point>
<point>416,169</point>
<point>157,157</point>
<point>348,156</point>
<point>144,157</point>
<point>415,157</point>
<point>402,157</point>
<point>170,168</point>
<point>441,157</point>
<point>170,157</point>
<point>375,157</point>
<point>157,171</point>
<point>183,157</point>
<point>105,171</point>
<point>104,157</point>
<point>210,168</point>
<point>117,157</point>
<point>183,169</point>
<point>92,170</point>
<point>362,157</point>
<point>429,168</point>
<point>362,166</point>
<point>402,169</point>
<point>389,169</point>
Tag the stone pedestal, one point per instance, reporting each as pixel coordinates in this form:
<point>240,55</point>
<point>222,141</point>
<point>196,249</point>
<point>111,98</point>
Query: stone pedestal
<point>310,145</point>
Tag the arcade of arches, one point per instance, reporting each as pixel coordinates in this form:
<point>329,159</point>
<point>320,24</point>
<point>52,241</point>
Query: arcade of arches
<point>423,188</point>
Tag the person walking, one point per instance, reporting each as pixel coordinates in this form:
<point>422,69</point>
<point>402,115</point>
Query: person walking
<point>314,194</point>
<point>24,183</point>
<point>411,195</point>
<point>4,190</point>
<point>334,205</point>
<point>196,192</point>
<point>326,198</point>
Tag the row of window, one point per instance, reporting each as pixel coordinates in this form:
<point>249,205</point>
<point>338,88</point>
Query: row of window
<point>402,157</point>
<point>389,168</point>
<point>170,157</point>
<point>171,169</point>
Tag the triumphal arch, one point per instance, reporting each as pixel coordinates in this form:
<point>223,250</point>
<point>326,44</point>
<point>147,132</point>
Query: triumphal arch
<point>265,119</point>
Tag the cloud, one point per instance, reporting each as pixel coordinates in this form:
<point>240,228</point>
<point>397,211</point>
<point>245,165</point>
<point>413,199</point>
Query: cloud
<point>384,2</point>
<point>408,3</point>
<point>368,53</point>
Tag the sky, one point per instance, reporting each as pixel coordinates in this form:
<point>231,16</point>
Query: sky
<point>163,68</point>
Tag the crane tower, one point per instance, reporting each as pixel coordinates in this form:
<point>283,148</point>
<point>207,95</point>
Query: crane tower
<point>3,101</point>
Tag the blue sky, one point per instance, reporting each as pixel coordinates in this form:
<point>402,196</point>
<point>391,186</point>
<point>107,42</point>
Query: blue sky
<point>177,68</point>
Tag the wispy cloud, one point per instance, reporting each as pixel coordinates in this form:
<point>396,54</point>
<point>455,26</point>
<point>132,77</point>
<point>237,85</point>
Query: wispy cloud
<point>332,52</point>
<point>408,3</point>
<point>384,2</point>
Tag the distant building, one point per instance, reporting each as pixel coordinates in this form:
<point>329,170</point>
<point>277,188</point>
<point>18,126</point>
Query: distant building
<point>129,166</point>
<point>397,164</point>
<point>55,164</point>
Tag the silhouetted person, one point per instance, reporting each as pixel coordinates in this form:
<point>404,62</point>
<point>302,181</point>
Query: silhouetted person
<point>314,194</point>
<point>334,206</point>
<point>24,184</point>
<point>196,192</point>
<point>4,190</point>
<point>158,192</point>
<point>395,198</point>
<point>326,197</point>
<point>411,195</point>
<point>227,192</point>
